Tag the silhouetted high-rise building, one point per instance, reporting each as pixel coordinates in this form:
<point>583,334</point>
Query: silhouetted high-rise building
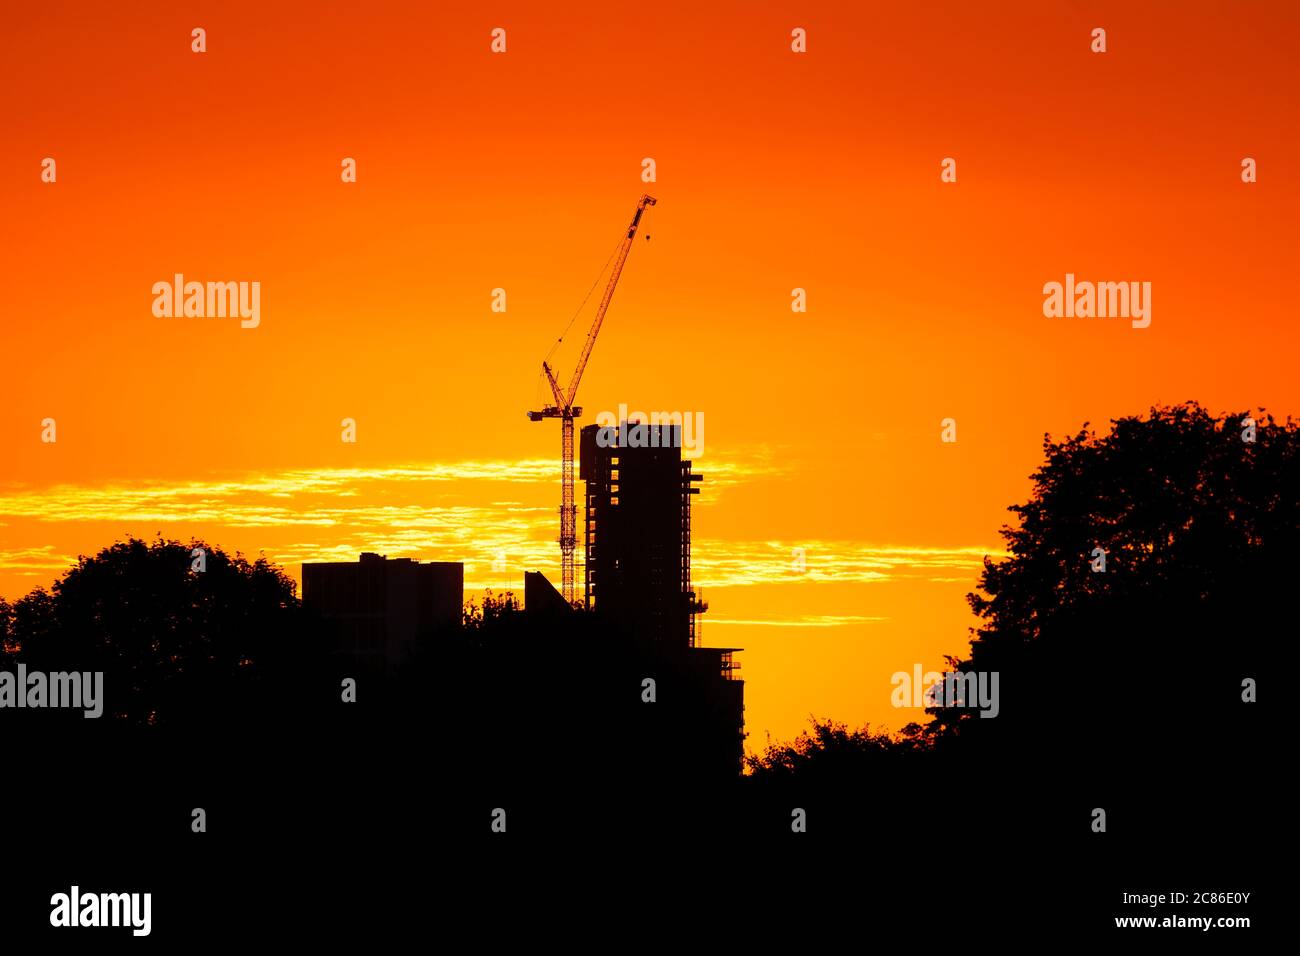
<point>637,529</point>
<point>378,606</point>
<point>636,523</point>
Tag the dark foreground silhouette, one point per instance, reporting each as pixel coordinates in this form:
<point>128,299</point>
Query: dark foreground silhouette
<point>1120,690</point>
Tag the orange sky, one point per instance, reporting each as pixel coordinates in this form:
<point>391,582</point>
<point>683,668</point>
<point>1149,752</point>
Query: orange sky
<point>775,170</point>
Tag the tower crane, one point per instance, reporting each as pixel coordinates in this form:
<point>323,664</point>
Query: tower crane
<point>564,409</point>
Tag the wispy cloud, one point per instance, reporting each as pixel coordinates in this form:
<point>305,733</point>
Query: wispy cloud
<point>739,563</point>
<point>816,620</point>
<point>495,516</point>
<point>36,558</point>
<point>240,502</point>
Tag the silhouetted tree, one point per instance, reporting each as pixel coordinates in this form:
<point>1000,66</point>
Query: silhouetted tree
<point>1199,530</point>
<point>476,616</point>
<point>831,752</point>
<point>1139,665</point>
<point>175,644</point>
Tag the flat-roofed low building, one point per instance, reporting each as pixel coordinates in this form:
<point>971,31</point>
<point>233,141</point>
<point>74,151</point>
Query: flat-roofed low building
<point>378,606</point>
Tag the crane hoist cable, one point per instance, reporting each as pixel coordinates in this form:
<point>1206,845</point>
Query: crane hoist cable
<point>600,275</point>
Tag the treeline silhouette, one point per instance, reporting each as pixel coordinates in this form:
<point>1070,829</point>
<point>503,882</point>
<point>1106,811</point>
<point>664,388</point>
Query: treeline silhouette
<point>1119,689</point>
<point>220,685</point>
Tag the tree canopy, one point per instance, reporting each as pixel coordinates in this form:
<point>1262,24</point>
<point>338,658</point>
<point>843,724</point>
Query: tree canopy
<point>172,640</point>
<point>1148,574</point>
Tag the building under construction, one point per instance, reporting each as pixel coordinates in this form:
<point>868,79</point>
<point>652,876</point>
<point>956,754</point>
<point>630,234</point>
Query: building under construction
<point>637,531</point>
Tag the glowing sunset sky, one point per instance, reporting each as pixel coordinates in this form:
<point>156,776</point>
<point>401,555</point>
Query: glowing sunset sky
<point>519,171</point>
